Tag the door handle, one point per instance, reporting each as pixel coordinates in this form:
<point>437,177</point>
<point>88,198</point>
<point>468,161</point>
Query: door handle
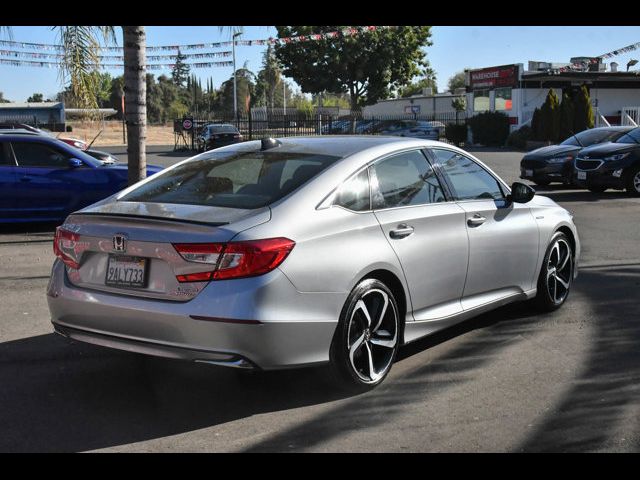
<point>476,220</point>
<point>402,231</point>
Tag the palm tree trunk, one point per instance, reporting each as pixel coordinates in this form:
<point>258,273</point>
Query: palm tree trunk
<point>135,94</point>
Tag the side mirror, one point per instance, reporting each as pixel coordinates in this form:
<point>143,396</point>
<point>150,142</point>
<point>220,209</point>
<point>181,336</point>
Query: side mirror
<point>521,193</point>
<point>75,163</point>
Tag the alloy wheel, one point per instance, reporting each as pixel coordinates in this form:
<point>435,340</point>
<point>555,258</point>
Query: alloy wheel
<point>372,335</point>
<point>636,181</point>
<point>559,271</point>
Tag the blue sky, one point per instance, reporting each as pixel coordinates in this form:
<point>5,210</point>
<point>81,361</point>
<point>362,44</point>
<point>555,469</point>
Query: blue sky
<point>454,48</point>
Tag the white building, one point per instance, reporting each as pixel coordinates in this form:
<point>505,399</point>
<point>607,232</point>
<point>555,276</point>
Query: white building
<point>517,93</point>
<point>425,104</point>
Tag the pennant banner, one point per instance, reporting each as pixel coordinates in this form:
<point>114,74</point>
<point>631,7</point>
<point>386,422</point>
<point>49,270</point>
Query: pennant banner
<point>349,31</point>
<point>18,54</point>
<point>106,66</point>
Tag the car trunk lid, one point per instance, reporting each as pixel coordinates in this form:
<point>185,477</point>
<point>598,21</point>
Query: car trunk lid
<point>142,236</point>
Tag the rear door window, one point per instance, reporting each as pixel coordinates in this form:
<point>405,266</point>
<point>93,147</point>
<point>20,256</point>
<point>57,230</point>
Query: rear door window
<point>405,179</point>
<point>5,158</point>
<point>235,180</point>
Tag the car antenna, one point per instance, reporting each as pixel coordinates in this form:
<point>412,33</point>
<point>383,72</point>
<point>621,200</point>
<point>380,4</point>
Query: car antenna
<point>268,143</point>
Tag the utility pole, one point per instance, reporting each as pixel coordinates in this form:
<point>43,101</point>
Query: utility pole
<point>284,95</point>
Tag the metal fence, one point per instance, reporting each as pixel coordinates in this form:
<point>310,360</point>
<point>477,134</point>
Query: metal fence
<point>257,125</point>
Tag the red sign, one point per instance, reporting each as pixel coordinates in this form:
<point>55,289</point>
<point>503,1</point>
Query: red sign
<point>504,76</point>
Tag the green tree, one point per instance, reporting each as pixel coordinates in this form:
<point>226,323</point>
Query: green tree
<point>566,117</point>
<point>269,80</point>
<point>583,111</point>
<point>180,70</point>
<point>245,88</point>
<point>456,81</point>
<point>369,66</point>
<point>36,98</point>
<point>2,99</point>
<point>550,117</point>
<point>429,81</point>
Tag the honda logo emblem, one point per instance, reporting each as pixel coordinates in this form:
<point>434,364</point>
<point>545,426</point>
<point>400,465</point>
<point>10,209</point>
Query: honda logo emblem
<point>119,243</point>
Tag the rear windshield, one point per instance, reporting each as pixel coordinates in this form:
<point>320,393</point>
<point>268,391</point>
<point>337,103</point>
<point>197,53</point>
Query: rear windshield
<point>592,137</point>
<point>235,180</point>
<point>223,129</point>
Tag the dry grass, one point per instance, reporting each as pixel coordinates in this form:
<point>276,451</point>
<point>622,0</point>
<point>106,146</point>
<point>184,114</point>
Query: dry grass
<point>112,133</point>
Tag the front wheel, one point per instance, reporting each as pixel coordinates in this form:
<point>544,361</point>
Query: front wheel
<point>633,182</point>
<point>367,337</point>
<point>556,275</point>
<point>542,183</point>
<point>597,189</point>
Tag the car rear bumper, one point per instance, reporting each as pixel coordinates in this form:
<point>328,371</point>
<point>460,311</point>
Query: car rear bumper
<point>260,322</point>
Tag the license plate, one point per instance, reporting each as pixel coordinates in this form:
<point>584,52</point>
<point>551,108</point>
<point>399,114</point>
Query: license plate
<point>126,271</point>
<point>582,175</point>
<point>528,173</point>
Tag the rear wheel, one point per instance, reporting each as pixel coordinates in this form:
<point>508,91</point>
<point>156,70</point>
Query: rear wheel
<point>597,189</point>
<point>542,183</point>
<point>556,275</point>
<point>367,338</point>
<point>633,182</point>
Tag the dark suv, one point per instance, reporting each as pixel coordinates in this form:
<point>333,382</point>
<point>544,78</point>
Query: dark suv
<point>217,135</point>
<point>610,165</point>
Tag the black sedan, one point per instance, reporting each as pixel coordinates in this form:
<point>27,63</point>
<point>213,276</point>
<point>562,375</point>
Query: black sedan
<point>555,162</point>
<point>611,165</point>
<point>217,135</point>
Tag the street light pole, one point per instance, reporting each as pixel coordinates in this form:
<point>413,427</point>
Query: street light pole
<point>284,95</point>
<point>235,94</point>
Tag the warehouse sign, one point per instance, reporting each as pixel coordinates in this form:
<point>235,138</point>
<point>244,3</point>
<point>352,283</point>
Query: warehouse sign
<point>503,76</point>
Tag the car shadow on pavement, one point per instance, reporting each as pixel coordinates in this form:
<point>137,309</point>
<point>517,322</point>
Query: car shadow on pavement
<point>601,409</point>
<point>606,393</point>
<point>563,196</point>
<point>60,395</point>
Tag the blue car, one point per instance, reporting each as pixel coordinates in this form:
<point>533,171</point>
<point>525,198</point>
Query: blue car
<point>43,179</point>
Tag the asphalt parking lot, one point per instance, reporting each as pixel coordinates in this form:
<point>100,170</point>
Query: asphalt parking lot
<point>508,381</point>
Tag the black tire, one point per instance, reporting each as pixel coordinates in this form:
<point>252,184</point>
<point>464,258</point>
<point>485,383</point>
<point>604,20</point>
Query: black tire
<point>545,299</point>
<point>542,183</point>
<point>633,181</point>
<point>597,189</point>
<point>352,329</point>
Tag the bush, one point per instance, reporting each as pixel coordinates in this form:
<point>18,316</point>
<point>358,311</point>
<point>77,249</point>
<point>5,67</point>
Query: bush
<point>69,128</point>
<point>456,134</point>
<point>490,128</point>
<point>519,138</point>
<point>536,126</point>
<point>550,117</point>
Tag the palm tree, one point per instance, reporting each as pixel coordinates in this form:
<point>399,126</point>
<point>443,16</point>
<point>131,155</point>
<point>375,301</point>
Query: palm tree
<point>81,50</point>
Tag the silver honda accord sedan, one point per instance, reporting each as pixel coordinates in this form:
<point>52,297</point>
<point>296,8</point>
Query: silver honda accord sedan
<point>306,251</point>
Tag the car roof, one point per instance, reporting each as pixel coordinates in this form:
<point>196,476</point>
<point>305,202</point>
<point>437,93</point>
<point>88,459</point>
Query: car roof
<point>17,131</point>
<point>614,129</point>
<point>335,145</point>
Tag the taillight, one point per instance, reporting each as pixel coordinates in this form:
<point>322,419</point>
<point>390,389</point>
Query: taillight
<point>237,135</point>
<point>65,247</point>
<point>234,259</point>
